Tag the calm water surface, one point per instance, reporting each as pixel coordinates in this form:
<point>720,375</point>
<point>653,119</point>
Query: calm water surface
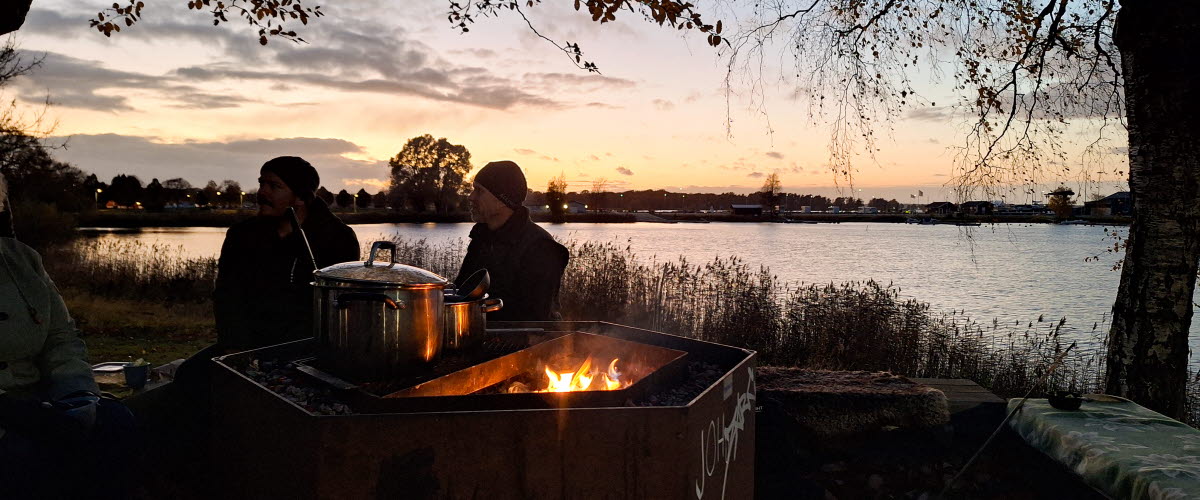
<point>1007,272</point>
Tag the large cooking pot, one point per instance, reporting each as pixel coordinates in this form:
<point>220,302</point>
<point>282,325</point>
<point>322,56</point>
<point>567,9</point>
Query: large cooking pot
<point>466,322</point>
<point>377,322</point>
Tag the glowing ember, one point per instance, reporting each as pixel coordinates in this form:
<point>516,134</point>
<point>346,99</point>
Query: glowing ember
<point>585,378</point>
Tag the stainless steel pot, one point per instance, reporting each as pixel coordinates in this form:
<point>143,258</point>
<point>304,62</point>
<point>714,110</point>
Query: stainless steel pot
<point>466,322</point>
<point>376,322</point>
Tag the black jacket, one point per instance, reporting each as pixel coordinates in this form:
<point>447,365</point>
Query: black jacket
<point>263,294</point>
<point>526,266</point>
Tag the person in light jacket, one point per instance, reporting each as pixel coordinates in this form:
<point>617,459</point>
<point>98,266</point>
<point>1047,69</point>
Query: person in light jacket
<point>58,437</point>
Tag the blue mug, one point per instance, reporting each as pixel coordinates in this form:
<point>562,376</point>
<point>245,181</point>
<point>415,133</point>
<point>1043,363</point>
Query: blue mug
<point>135,376</point>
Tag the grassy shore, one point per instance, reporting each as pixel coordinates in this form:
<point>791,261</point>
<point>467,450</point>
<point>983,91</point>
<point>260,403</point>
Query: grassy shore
<point>137,300</point>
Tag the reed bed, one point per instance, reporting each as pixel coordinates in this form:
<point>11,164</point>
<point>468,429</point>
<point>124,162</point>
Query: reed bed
<point>846,326</point>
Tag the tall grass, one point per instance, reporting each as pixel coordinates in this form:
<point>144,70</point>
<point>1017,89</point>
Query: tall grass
<point>847,326</point>
<point>131,270</point>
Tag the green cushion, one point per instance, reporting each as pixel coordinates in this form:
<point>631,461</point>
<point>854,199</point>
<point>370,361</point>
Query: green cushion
<point>1118,447</point>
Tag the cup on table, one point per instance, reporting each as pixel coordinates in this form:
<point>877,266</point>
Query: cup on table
<point>135,376</point>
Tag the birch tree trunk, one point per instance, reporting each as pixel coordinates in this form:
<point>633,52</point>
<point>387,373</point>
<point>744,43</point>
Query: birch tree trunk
<point>1159,41</point>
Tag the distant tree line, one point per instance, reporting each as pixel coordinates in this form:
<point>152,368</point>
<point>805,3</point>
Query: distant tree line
<point>658,200</point>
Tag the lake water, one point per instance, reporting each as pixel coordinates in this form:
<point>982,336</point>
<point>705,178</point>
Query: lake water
<point>1011,272</point>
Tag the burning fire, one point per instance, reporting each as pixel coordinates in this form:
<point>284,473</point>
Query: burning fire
<point>585,378</point>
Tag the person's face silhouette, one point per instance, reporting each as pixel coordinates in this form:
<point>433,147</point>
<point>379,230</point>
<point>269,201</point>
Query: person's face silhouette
<point>486,207</point>
<point>274,196</point>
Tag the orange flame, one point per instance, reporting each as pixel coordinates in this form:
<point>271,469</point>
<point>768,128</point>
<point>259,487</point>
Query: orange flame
<point>582,378</point>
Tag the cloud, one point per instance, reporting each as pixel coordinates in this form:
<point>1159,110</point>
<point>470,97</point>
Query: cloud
<point>587,82</point>
<point>493,93</point>
<point>756,174</point>
<point>549,158</point>
<point>602,105</point>
<point>523,151</point>
<point>107,155</point>
<point>941,175</point>
<point>933,140</point>
<point>294,146</point>
<point>796,168</point>
<point>369,183</point>
<point>624,171</point>
<point>355,51</point>
<point>931,114</point>
<point>663,105</point>
<point>76,83</point>
<point>594,157</point>
<point>776,155</point>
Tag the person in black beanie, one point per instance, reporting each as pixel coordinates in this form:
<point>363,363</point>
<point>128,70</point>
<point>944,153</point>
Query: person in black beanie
<point>525,263</point>
<point>262,297</point>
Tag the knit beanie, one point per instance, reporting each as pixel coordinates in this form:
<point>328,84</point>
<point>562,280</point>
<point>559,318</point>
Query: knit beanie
<point>505,181</point>
<point>298,174</point>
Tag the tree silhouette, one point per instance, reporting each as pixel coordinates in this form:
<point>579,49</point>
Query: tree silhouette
<point>325,195</point>
<point>125,190</point>
<point>556,195</point>
<point>770,192</point>
<point>429,171</point>
<point>344,199</point>
<point>363,198</point>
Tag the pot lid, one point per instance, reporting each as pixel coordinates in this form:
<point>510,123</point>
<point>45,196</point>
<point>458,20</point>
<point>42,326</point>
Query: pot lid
<point>383,273</point>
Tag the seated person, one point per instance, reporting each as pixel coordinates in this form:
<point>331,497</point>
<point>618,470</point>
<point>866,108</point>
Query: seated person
<point>263,296</point>
<point>58,437</point>
<point>525,263</point>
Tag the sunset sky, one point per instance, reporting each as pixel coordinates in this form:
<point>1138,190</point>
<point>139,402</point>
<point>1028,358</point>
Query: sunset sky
<point>175,96</point>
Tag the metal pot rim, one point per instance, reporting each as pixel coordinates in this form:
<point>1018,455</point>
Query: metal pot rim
<point>391,275</point>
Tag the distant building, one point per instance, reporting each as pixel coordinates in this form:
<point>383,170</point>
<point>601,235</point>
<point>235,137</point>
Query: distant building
<point>835,209</point>
<point>1034,209</point>
<point>941,208</point>
<point>746,209</point>
<point>1120,203</point>
<point>575,207</point>
<point>538,209</point>
<point>868,210</point>
<point>978,208</point>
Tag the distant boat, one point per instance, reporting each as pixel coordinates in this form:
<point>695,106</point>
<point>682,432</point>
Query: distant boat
<point>1074,222</point>
<point>797,221</point>
<point>968,224</point>
<point>929,221</point>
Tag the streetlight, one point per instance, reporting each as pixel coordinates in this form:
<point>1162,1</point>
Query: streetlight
<point>355,202</point>
<point>240,196</point>
<point>98,191</point>
<point>218,196</point>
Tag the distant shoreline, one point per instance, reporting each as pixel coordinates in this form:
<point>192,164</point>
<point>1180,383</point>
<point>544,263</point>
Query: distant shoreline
<point>226,218</point>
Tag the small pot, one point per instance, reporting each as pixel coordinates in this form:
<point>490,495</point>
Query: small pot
<point>376,322</point>
<point>466,322</point>
<point>1065,400</point>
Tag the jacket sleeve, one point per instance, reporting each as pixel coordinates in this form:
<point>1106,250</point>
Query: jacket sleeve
<point>230,293</point>
<point>542,268</point>
<point>63,358</point>
<point>348,248</point>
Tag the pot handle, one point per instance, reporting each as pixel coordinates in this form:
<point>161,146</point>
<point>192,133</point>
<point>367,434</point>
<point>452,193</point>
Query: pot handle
<point>378,245</point>
<point>343,301</point>
<point>492,305</point>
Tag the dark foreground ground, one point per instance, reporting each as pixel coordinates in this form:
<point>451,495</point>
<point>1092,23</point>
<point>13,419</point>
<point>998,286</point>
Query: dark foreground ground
<point>910,463</point>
